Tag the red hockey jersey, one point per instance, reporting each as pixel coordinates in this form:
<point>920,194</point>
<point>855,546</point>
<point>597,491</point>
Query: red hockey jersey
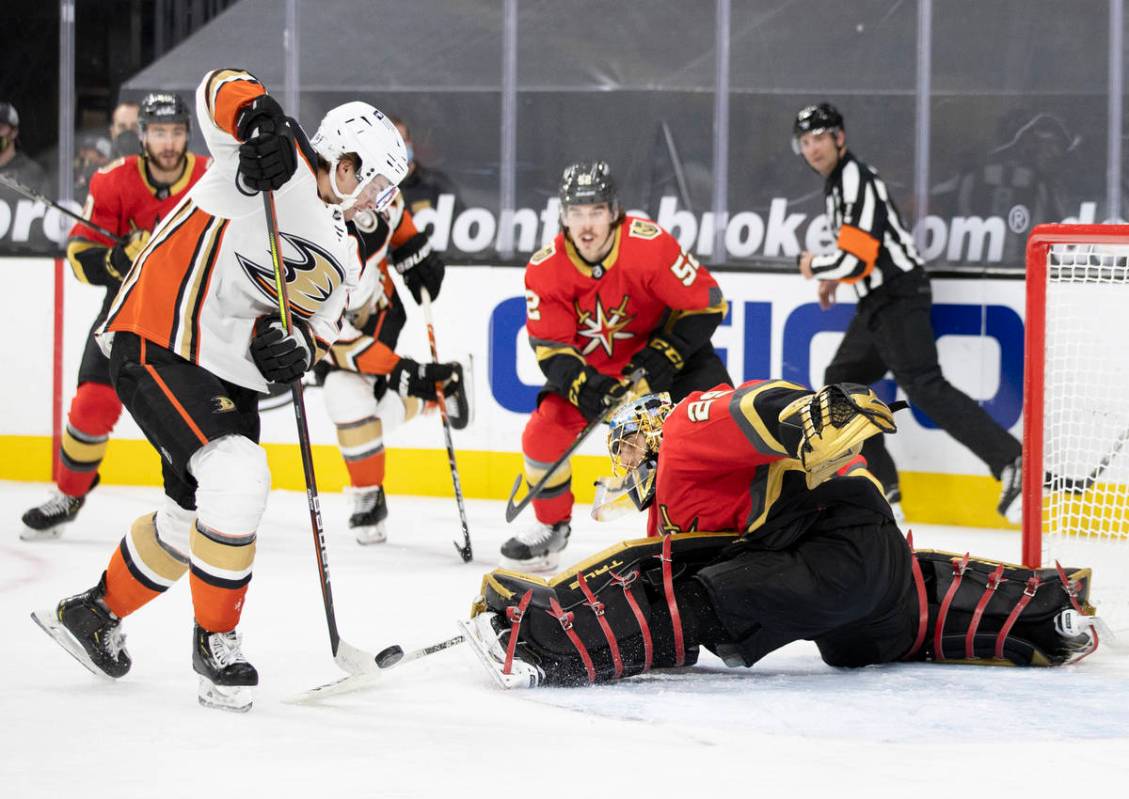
<point>603,314</point>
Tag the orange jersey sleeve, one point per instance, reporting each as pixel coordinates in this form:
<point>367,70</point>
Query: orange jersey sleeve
<point>227,91</point>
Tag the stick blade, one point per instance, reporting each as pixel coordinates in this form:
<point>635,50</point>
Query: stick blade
<point>352,660</point>
<point>513,510</point>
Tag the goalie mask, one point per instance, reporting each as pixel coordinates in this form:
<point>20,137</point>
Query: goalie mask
<point>360,129</point>
<point>634,438</point>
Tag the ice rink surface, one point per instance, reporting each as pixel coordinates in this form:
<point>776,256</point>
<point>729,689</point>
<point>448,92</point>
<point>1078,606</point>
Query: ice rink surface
<point>439,726</point>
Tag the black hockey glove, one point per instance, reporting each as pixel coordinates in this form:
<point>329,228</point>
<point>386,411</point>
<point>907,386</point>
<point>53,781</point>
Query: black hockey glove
<point>268,156</point>
<point>420,267</point>
<point>593,393</point>
<point>413,379</point>
<point>281,357</point>
<point>119,259</point>
<point>660,361</point>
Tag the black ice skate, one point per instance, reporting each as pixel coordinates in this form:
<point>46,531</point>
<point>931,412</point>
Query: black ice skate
<point>1011,492</point>
<point>84,627</point>
<point>226,677</point>
<point>370,510</point>
<point>537,548</point>
<point>46,521</point>
<point>459,393</point>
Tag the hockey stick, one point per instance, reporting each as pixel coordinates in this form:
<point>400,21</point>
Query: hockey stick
<point>35,196</point>
<point>512,509</point>
<point>387,659</point>
<point>464,551</point>
<point>348,657</point>
<point>1076,486</point>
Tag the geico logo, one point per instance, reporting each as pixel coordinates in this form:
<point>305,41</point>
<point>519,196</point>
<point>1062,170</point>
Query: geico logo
<point>775,339</point>
<point>966,239</point>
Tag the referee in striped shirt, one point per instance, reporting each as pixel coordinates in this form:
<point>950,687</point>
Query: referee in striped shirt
<point>891,330</point>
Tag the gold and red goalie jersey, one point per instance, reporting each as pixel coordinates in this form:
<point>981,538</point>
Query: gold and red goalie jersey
<point>123,199</point>
<point>727,464</point>
<point>603,314</point>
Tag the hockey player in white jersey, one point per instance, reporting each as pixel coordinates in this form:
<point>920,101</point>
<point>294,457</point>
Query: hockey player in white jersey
<point>194,335</point>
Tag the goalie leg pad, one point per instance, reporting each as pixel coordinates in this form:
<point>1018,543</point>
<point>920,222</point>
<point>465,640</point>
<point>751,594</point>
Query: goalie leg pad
<point>993,613</point>
<point>628,609</point>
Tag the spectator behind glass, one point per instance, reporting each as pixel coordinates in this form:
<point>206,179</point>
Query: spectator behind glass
<point>93,153</point>
<point>14,162</point>
<point>124,131</point>
<point>423,185</point>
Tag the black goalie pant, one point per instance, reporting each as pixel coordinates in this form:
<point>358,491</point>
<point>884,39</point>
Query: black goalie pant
<point>849,589</point>
<point>893,331</point>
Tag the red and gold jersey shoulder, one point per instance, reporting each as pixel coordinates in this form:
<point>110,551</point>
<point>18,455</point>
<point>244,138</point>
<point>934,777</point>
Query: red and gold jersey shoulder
<point>123,199</point>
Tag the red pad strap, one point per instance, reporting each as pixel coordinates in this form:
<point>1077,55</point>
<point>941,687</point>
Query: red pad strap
<point>1013,617</point>
<point>514,615</point>
<point>994,580</point>
<point>565,618</point>
<point>958,575</point>
<point>644,628</point>
<point>1072,592</point>
<point>922,602</point>
<point>672,603</point>
<point>598,608</point>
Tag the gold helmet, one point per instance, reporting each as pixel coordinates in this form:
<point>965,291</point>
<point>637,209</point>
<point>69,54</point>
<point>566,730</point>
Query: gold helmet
<point>635,432</point>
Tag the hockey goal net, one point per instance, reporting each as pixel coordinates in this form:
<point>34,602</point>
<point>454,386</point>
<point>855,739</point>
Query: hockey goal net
<point>1076,407</point>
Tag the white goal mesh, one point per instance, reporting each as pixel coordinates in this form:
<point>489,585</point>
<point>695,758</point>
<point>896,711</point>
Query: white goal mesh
<point>1085,409</point>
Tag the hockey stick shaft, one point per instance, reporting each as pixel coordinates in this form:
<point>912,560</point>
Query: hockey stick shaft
<point>512,509</point>
<point>1086,483</point>
<point>358,682</point>
<point>465,551</point>
<point>303,429</point>
<point>35,196</point>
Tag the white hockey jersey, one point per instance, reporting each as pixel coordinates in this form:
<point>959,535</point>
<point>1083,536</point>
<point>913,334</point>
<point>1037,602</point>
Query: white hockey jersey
<point>206,274</point>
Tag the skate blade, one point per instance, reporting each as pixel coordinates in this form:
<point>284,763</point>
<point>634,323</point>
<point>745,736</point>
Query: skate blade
<point>376,534</point>
<point>50,624</point>
<point>481,651</point>
<point>50,534</point>
<point>543,563</point>
<point>232,698</point>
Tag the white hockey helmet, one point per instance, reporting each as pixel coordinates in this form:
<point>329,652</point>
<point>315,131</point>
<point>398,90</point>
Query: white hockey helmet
<point>360,128</point>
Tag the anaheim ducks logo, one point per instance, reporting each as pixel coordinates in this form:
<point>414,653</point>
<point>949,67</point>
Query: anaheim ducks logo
<point>309,280</point>
<point>601,326</point>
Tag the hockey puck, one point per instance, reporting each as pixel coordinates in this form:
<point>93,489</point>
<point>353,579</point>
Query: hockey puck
<point>389,657</point>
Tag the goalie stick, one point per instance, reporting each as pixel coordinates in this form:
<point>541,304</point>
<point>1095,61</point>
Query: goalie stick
<point>35,196</point>
<point>348,657</point>
<point>464,549</point>
<point>388,658</point>
<point>512,508</point>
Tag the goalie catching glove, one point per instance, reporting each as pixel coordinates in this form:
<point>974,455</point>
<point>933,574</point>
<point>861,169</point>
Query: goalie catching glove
<point>281,356</point>
<point>420,267</point>
<point>834,422</point>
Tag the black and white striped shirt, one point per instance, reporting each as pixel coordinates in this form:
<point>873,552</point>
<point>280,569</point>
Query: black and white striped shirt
<point>872,244</point>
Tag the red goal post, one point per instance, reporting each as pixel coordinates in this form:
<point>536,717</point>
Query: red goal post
<point>1076,388</point>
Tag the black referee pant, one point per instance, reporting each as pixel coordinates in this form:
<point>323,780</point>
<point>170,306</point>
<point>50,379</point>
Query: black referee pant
<point>892,331</point>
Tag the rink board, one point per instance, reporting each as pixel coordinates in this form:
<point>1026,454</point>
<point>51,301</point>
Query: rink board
<point>774,328</point>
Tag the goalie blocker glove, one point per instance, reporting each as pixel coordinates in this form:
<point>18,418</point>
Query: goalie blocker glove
<point>660,361</point>
<point>267,157</point>
<point>420,267</point>
<point>281,357</point>
<point>593,393</point>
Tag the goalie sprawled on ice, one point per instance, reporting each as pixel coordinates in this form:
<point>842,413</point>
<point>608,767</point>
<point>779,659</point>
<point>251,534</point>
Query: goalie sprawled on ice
<point>807,549</point>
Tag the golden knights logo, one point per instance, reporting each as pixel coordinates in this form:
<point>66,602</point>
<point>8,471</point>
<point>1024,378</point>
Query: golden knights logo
<point>602,328</point>
<point>309,280</point>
